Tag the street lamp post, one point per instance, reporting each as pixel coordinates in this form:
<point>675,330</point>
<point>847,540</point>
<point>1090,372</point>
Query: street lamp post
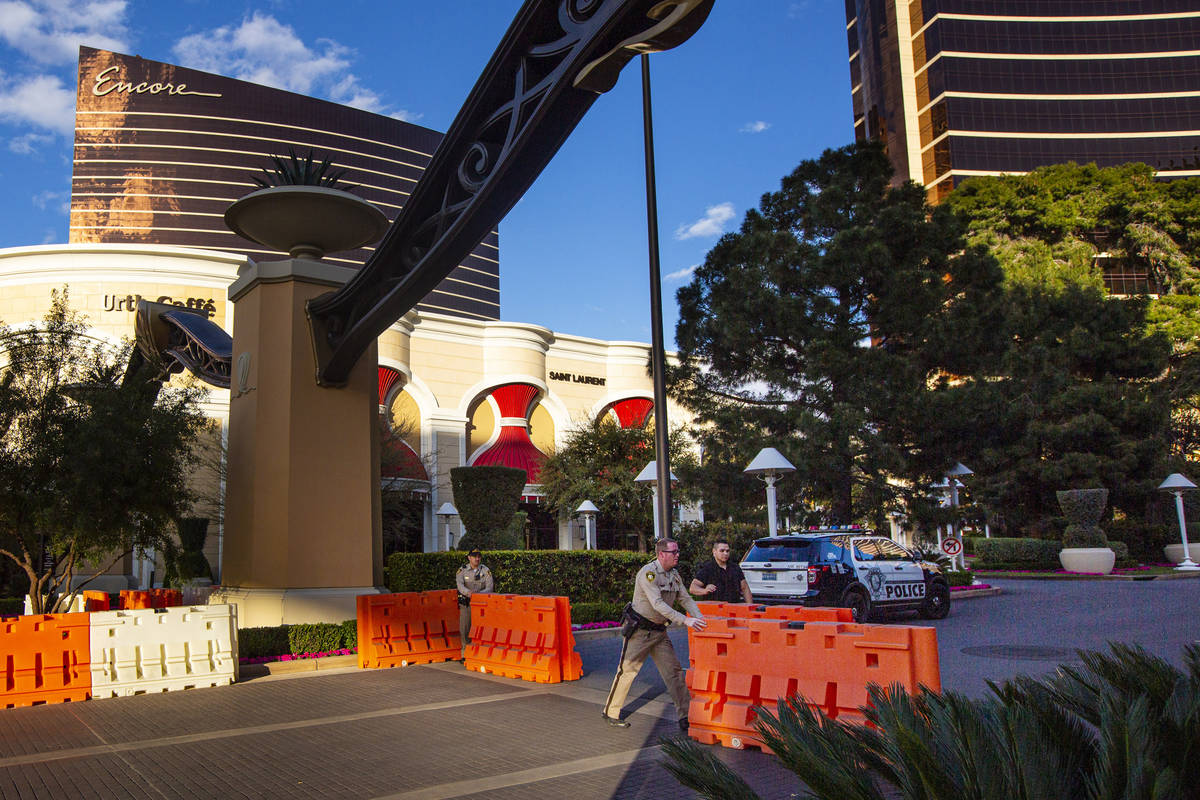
<point>1177,484</point>
<point>446,512</point>
<point>649,475</point>
<point>588,509</point>
<point>770,465</point>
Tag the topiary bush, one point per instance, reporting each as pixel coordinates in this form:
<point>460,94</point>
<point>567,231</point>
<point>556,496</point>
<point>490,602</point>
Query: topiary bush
<point>585,576</point>
<point>1083,509</point>
<point>486,499</point>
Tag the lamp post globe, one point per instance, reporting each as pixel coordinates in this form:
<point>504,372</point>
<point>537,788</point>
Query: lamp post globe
<point>770,465</point>
<point>649,475</point>
<point>446,512</point>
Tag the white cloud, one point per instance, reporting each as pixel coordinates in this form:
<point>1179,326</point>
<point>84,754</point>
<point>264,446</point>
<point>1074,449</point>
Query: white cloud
<point>680,274</point>
<point>29,143</point>
<point>60,200</point>
<point>758,126</point>
<point>51,31</point>
<point>711,224</point>
<point>41,100</point>
<point>264,50</point>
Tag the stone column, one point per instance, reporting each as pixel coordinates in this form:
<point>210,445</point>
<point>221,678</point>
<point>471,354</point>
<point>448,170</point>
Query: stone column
<point>302,517</point>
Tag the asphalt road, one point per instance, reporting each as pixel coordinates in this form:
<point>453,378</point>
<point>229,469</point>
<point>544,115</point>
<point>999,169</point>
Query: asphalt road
<point>1030,628</point>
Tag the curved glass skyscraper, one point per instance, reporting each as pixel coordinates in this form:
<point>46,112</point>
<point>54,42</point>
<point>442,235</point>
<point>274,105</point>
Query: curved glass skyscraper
<point>957,88</point>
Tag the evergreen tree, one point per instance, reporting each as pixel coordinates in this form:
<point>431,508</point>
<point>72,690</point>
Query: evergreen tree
<point>821,324</point>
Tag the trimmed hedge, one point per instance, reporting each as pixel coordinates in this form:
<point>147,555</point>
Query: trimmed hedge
<point>279,640</point>
<point>315,637</point>
<point>585,576</point>
<point>583,613</point>
<point>1000,553</point>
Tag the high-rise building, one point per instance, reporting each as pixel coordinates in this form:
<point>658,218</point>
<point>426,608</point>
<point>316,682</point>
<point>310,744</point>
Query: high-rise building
<point>161,151</point>
<point>956,88</point>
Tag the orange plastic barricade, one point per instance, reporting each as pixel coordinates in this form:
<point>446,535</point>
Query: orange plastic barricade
<point>45,658</point>
<point>711,608</point>
<point>166,598</point>
<point>516,636</point>
<point>738,664</point>
<point>136,598</point>
<point>396,630</point>
<point>95,601</point>
<point>571,662</point>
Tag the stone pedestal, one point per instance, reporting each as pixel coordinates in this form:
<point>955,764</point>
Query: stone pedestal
<point>302,515</point>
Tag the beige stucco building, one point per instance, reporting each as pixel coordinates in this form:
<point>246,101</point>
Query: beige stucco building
<point>458,391</point>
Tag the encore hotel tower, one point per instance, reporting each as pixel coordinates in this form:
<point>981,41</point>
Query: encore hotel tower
<point>957,88</point>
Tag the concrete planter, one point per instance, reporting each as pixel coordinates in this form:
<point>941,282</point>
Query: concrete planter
<point>1174,552</point>
<point>1096,560</point>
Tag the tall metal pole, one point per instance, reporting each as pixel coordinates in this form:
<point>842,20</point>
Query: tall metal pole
<point>657,353</point>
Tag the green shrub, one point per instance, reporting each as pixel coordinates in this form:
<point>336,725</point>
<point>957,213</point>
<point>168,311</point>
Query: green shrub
<point>486,499</point>
<point>1084,536</point>
<point>1121,550</point>
<point>960,577</point>
<point>314,637</point>
<point>1010,553</point>
<point>350,634</point>
<point>971,543</point>
<point>261,642</point>
<point>11,605</point>
<point>585,576</point>
<point>1145,540</point>
<point>582,613</point>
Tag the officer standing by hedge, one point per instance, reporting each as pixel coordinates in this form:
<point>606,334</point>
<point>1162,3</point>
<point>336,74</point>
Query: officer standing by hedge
<point>656,588</point>
<point>471,577</point>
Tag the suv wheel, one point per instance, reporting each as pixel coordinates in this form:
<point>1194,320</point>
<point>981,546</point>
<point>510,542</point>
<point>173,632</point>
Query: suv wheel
<point>937,602</point>
<point>859,603</point>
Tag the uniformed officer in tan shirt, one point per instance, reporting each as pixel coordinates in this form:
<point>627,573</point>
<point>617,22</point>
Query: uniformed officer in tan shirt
<point>657,587</point>
<point>471,577</point>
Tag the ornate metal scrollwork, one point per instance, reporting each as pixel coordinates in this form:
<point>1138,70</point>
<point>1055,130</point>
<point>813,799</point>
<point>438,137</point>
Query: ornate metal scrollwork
<point>172,339</point>
<point>553,62</point>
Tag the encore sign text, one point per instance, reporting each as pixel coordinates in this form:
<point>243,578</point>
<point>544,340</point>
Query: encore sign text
<point>107,82</point>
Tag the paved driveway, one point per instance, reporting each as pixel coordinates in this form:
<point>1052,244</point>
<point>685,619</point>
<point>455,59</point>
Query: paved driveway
<point>440,732</point>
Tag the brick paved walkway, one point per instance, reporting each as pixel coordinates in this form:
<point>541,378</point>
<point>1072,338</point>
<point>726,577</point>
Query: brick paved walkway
<point>416,732</point>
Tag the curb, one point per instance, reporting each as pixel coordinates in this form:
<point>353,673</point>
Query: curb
<point>247,671</point>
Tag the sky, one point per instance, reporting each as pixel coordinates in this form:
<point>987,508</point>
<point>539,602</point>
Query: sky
<point>763,85</point>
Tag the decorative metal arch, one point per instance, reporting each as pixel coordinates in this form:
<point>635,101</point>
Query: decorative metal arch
<point>554,61</point>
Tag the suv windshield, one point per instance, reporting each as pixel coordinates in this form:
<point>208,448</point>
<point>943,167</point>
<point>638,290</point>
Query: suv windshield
<point>765,550</point>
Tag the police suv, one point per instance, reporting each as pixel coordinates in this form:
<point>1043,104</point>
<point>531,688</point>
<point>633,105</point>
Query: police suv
<point>844,566</point>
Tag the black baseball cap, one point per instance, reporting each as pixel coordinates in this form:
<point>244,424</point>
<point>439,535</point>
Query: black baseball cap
<point>474,551</point>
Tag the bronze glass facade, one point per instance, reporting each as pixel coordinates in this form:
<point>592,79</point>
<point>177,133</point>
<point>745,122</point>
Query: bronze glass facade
<point>161,151</point>
<point>957,88</point>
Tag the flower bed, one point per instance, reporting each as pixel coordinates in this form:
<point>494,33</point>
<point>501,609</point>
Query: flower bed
<point>297,657</point>
<point>591,626</point>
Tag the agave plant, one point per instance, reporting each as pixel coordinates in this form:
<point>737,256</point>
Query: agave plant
<point>294,170</point>
<point>1124,725</point>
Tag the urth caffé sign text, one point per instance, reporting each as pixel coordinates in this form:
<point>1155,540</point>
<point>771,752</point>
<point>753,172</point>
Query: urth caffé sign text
<point>129,302</point>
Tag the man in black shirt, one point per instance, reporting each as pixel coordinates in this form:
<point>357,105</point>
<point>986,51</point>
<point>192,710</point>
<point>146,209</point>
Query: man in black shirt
<point>720,580</point>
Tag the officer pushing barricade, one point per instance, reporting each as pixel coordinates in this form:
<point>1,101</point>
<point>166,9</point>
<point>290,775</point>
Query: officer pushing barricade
<point>471,577</point>
<point>656,589</point>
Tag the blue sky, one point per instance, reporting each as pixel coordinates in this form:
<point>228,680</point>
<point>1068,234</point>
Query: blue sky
<point>763,85</point>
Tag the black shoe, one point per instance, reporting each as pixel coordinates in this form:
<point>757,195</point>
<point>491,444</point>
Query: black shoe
<point>683,726</point>
<point>616,723</point>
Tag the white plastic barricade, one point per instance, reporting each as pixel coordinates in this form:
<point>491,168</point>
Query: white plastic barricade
<point>163,649</point>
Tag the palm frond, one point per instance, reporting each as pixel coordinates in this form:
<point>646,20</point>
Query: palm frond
<point>699,770</point>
